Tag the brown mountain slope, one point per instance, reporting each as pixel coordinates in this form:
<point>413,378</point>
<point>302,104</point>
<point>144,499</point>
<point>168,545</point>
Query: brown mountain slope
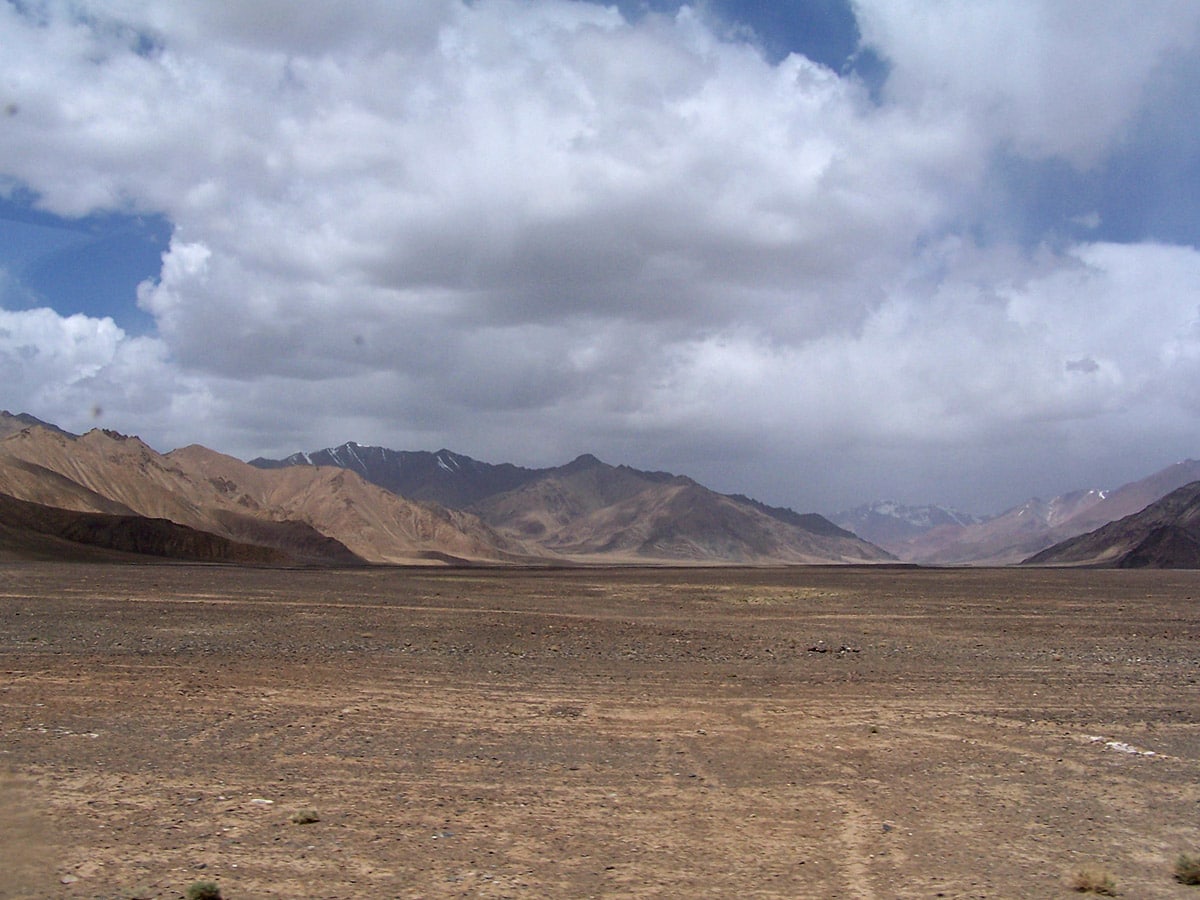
<point>37,484</point>
<point>315,514</point>
<point>119,468</point>
<point>590,510</point>
<point>33,531</point>
<point>1164,535</point>
<point>110,473</point>
<point>682,521</point>
<point>376,524</point>
<point>559,497</point>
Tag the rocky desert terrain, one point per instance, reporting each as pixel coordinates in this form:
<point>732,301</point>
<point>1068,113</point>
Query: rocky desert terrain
<point>785,732</point>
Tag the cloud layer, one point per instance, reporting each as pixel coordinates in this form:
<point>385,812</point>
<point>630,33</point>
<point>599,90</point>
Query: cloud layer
<point>529,229</point>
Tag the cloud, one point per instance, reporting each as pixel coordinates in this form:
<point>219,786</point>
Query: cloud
<point>75,369</point>
<point>1049,78</point>
<point>529,229</point>
<point>541,164</point>
<point>963,358</point>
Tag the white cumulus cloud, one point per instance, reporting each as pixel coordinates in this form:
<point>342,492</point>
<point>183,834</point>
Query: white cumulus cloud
<point>529,229</point>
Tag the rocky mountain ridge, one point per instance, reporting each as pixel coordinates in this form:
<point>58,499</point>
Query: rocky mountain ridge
<point>446,478</point>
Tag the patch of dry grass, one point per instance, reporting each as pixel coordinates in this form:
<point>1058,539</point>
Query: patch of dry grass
<point>203,890</point>
<point>1187,869</point>
<point>1094,881</point>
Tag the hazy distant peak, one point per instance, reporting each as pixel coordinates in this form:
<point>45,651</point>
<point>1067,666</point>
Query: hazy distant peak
<point>921,516</point>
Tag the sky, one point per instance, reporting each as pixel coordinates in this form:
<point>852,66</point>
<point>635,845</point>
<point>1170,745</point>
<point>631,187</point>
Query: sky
<point>820,253</point>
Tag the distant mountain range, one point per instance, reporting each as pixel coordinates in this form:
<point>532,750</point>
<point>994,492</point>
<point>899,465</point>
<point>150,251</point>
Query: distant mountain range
<point>932,535</point>
<point>888,523</point>
<point>110,493</point>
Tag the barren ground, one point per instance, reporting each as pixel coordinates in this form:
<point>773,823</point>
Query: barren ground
<point>671,732</point>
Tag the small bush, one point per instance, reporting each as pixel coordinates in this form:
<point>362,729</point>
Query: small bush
<point>203,890</point>
<point>1091,881</point>
<point>305,817</point>
<point>1187,869</point>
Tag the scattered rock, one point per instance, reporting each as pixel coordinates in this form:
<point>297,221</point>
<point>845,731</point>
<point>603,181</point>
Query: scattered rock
<point>822,647</point>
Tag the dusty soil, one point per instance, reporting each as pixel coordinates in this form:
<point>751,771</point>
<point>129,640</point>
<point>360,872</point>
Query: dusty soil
<point>810,732</point>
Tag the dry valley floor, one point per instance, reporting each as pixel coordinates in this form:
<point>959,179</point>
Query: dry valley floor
<point>807,732</point>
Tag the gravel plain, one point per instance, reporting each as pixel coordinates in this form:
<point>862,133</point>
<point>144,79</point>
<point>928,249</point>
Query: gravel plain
<point>801,732</point>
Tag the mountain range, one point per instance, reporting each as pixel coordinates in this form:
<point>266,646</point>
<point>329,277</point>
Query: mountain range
<point>931,535</point>
<point>1164,535</point>
<point>300,513</point>
<point>107,495</point>
<point>589,508</point>
<point>888,523</point>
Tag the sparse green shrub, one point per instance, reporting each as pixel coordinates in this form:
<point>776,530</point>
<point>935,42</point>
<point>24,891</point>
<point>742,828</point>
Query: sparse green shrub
<point>1187,869</point>
<point>305,817</point>
<point>203,890</point>
<point>1093,881</point>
